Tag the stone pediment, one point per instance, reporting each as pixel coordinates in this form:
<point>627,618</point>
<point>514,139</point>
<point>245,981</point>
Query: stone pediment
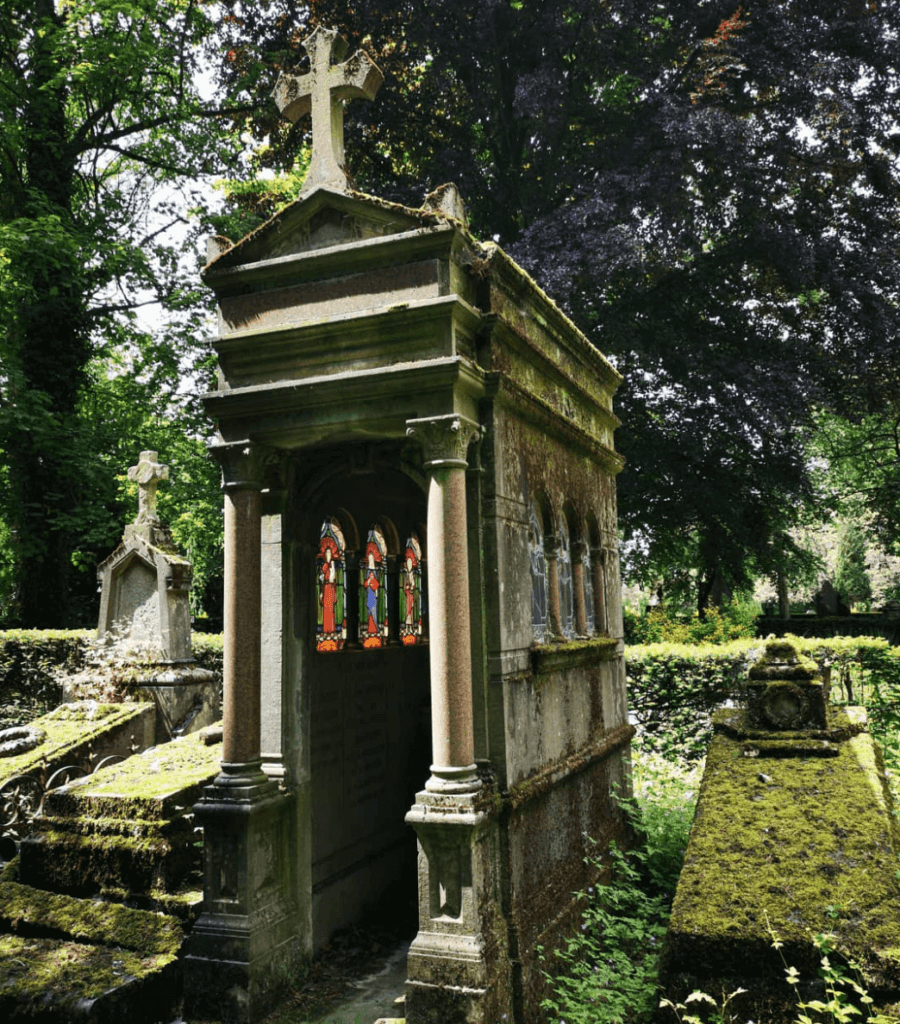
<point>324,219</point>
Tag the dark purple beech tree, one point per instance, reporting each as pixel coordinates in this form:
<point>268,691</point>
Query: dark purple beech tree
<point>710,190</point>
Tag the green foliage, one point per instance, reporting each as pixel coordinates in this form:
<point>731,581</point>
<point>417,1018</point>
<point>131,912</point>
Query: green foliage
<point>606,973</point>
<point>103,137</point>
<point>851,579</point>
<point>734,621</point>
<point>673,688</point>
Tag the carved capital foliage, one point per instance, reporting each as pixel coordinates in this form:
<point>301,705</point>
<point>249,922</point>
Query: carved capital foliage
<point>244,464</point>
<point>444,439</point>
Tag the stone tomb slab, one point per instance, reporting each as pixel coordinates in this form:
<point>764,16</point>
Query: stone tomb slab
<point>128,828</point>
<point>802,838</point>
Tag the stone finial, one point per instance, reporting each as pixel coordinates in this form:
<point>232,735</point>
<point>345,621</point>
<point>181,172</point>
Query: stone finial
<point>147,474</point>
<point>322,93</point>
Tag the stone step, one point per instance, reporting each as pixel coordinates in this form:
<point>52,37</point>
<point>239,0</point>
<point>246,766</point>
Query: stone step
<point>64,959</point>
<point>128,829</point>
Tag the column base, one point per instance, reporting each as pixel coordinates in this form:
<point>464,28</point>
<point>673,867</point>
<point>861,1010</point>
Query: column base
<point>243,953</point>
<point>452,780</point>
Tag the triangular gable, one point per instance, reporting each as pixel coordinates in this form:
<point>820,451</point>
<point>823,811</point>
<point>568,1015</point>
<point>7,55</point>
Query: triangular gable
<point>322,219</point>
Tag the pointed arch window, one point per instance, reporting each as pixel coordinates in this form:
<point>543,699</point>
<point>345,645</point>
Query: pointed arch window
<point>331,624</point>
<point>538,579</point>
<point>373,610</point>
<point>411,611</point>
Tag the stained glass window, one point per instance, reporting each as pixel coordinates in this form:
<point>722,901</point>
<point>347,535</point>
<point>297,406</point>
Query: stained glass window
<point>538,580</point>
<point>411,593</point>
<point>587,575</point>
<point>331,625</point>
<point>373,613</point>
<point>566,593</point>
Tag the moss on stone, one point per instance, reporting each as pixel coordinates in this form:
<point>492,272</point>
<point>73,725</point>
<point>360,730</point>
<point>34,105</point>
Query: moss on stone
<point>37,913</point>
<point>69,728</point>
<point>62,981</point>
<point>782,839</point>
<point>153,785</point>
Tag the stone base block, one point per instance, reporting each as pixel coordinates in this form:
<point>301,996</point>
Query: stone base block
<point>244,951</point>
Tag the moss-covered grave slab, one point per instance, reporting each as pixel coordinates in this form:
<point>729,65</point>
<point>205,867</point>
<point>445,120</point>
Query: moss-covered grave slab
<point>82,733</point>
<point>129,828</point>
<point>63,982</point>
<point>793,830</point>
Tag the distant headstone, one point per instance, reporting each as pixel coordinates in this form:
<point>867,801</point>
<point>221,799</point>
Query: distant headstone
<point>828,601</point>
<point>145,615</point>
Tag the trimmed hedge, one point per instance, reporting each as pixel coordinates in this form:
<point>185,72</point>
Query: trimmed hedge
<point>673,688</point>
<point>32,662</point>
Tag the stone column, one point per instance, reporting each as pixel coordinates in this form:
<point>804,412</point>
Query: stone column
<point>554,614</point>
<point>456,967</point>
<point>243,949</point>
<point>578,588</point>
<point>444,441</point>
<point>598,558</point>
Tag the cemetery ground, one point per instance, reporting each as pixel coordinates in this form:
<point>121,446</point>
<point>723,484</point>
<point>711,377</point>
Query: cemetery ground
<point>608,970</point>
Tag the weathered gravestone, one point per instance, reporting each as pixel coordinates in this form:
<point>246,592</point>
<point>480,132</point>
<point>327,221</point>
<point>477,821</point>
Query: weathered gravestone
<point>794,834</point>
<point>422,615</point>
<point>145,620</point>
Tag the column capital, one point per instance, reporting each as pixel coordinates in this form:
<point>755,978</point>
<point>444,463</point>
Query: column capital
<point>243,464</point>
<point>444,439</point>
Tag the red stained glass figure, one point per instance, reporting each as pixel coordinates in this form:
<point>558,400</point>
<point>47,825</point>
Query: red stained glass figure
<point>373,615</point>
<point>411,593</point>
<point>331,624</point>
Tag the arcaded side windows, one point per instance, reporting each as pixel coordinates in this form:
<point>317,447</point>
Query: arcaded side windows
<point>538,579</point>
<point>566,592</point>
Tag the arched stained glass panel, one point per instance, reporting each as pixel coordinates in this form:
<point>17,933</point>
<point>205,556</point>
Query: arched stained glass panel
<point>566,593</point>
<point>331,624</point>
<point>373,613</point>
<point>538,579</point>
<point>411,619</point>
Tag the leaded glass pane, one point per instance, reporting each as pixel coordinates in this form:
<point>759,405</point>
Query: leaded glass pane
<point>538,580</point>
<point>373,614</point>
<point>587,576</point>
<point>566,593</point>
<point>331,623</point>
<point>411,630</point>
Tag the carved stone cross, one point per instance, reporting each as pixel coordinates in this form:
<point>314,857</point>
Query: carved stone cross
<point>147,473</point>
<point>322,92</point>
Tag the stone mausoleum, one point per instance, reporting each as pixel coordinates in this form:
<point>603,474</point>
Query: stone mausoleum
<point>424,679</point>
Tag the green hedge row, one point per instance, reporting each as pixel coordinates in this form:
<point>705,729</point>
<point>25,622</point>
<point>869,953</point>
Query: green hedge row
<point>673,688</point>
<point>33,662</point>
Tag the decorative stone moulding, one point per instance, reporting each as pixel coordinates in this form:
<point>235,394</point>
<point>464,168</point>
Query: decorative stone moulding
<point>785,691</point>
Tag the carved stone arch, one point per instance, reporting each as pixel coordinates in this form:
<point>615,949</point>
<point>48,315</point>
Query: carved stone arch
<point>348,525</point>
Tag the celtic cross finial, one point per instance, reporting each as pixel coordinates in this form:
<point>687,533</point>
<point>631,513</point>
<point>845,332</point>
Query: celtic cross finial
<point>322,92</point>
<point>147,474</point>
